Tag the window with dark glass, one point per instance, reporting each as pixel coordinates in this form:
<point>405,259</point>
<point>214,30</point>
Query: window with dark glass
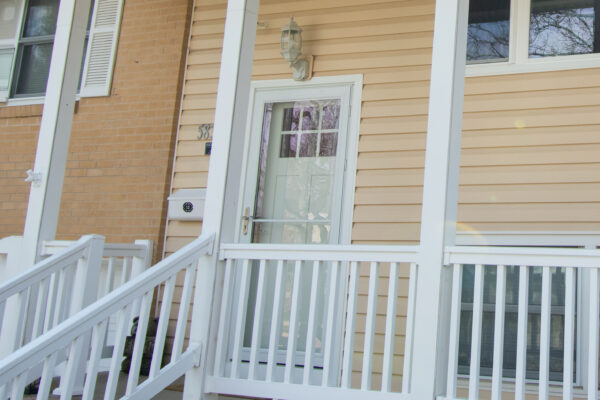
<point>489,30</point>
<point>34,49</point>
<point>558,28</point>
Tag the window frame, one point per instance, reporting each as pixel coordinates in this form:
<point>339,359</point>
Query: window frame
<point>518,51</point>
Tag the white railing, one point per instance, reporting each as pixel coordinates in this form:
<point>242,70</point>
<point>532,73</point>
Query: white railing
<point>292,325</point>
<point>32,295</point>
<point>120,264</point>
<point>550,295</point>
<point>89,326</point>
<point>48,293</point>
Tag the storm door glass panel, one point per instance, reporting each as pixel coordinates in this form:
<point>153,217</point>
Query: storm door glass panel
<point>564,27</point>
<point>510,322</point>
<point>294,204</point>
<point>489,31</point>
<point>296,172</point>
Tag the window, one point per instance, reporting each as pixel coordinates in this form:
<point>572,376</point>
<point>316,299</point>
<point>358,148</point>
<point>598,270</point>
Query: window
<point>529,35</point>
<point>27,29</point>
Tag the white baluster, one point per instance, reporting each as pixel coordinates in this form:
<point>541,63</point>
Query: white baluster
<point>110,279</point>
<point>40,308</point>
<point>161,330</point>
<point>240,320</point>
<point>454,330</point>
<point>290,360</point>
<point>593,337</point>
<point>499,333</point>
<point>350,324</point>
<point>46,378</point>
<point>224,318</point>
<point>545,332</point>
<point>275,321</point>
<point>97,343</point>
<point>476,333</point>
<point>410,324</point>
<point>568,364</point>
<point>184,309</point>
<point>310,333</point>
<point>139,343</point>
<point>117,354</point>
<point>522,332</point>
<point>67,381</point>
<point>258,320</point>
<point>370,327</point>
<point>331,312</point>
<point>390,329</point>
<point>18,386</point>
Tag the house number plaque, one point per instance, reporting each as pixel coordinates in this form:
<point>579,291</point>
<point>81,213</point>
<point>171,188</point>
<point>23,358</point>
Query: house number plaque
<point>206,131</point>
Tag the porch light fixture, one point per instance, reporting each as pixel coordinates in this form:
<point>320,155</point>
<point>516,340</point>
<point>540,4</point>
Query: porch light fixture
<point>291,50</point>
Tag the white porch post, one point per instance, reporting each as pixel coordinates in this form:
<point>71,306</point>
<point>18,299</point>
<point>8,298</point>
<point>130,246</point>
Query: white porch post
<point>440,196</point>
<point>55,128</point>
<point>224,172</point>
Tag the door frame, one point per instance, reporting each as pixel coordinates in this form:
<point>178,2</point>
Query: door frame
<point>354,83</point>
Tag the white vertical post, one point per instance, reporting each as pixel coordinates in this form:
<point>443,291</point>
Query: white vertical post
<point>440,196</point>
<point>230,120</point>
<point>55,128</point>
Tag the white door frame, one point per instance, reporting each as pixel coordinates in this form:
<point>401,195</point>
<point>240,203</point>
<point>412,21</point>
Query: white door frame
<point>354,83</point>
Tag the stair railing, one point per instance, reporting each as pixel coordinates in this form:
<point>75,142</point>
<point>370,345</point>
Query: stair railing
<point>89,326</point>
<point>48,293</point>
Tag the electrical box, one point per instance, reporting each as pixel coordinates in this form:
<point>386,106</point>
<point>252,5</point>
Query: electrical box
<point>187,205</point>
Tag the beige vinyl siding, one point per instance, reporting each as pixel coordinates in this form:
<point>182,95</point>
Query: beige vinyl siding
<point>530,144</point>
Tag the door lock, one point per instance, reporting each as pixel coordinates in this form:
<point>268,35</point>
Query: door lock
<point>246,220</point>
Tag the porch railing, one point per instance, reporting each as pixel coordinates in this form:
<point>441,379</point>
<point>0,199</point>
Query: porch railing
<point>292,325</point>
<point>45,295</point>
<point>535,289</point>
<point>89,326</point>
<point>40,298</point>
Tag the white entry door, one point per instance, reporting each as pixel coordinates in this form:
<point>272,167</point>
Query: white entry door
<point>295,173</point>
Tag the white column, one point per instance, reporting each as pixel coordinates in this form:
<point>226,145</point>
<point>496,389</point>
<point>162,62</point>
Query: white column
<point>224,172</point>
<point>438,221</point>
<point>55,128</point>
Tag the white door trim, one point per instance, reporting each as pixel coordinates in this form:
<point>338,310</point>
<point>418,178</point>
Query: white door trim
<point>355,83</point>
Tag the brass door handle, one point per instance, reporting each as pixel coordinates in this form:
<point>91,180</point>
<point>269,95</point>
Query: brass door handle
<point>246,220</point>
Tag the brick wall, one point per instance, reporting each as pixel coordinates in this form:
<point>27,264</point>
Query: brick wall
<point>120,155</point>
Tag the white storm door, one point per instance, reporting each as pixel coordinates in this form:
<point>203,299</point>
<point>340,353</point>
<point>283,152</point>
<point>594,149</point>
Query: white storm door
<point>294,182</point>
<point>293,193</point>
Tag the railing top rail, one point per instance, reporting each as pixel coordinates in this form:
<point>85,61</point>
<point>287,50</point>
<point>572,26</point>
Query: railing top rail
<point>110,249</point>
<point>530,256</point>
<point>63,334</point>
<point>289,252</point>
<point>46,267</point>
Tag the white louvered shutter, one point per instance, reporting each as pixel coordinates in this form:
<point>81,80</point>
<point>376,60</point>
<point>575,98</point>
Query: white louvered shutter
<point>102,48</point>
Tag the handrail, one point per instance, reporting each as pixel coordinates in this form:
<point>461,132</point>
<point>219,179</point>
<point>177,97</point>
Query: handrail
<point>110,249</point>
<point>291,252</point>
<point>538,256</point>
<point>46,267</point>
<point>79,324</point>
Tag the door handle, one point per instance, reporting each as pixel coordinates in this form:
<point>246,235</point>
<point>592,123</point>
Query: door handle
<point>246,221</point>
